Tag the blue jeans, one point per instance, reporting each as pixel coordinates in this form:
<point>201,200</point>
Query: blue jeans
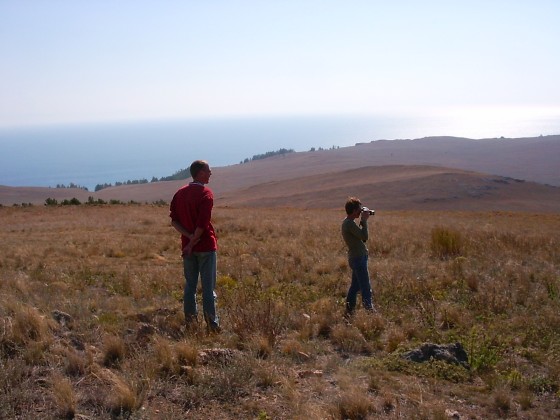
<point>360,283</point>
<point>203,264</point>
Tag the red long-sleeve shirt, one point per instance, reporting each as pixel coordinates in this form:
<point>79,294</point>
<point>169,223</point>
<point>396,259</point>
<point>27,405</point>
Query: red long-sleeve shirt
<point>191,206</point>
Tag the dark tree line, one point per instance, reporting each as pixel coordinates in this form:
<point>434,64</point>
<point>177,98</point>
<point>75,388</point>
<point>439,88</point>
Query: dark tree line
<point>185,173</point>
<point>71,185</point>
<point>92,202</point>
<point>99,187</point>
<point>269,154</point>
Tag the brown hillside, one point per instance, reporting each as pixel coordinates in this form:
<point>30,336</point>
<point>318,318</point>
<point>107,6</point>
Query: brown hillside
<point>401,188</point>
<point>397,174</point>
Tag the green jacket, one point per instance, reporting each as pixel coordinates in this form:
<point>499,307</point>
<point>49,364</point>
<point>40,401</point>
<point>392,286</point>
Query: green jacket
<point>355,237</point>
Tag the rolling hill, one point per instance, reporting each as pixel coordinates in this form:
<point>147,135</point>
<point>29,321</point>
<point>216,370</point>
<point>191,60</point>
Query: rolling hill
<point>445,173</point>
<point>401,188</point>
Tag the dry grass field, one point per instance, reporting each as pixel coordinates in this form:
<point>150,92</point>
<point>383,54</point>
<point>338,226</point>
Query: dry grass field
<point>91,322</point>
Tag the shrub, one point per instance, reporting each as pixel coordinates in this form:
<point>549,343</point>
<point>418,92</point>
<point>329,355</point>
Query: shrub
<point>349,338</point>
<point>92,201</point>
<point>64,396</point>
<point>187,354</point>
<point>72,202</point>
<point>370,325</point>
<point>483,352</point>
<point>502,401</point>
<point>446,242</point>
<point>354,404</point>
<point>51,202</point>
<point>113,351</point>
<point>123,399</point>
<point>252,310</point>
<point>75,364</point>
<point>29,325</point>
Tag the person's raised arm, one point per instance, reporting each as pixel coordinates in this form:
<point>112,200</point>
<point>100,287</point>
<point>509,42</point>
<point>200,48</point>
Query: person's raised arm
<point>364,227</point>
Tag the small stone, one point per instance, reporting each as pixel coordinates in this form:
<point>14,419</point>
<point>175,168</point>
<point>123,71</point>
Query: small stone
<point>452,414</point>
<point>310,373</point>
<point>62,318</point>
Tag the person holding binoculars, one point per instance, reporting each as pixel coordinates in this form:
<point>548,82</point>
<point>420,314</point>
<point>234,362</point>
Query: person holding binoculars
<point>355,236</point>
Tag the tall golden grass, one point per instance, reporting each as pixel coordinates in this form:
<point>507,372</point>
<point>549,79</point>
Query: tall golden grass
<point>91,319</point>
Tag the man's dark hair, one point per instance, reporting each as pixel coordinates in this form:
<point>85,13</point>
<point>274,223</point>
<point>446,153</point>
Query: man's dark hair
<point>196,166</point>
<point>352,204</point>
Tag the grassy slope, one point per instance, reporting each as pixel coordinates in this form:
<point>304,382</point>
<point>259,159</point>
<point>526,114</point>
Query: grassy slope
<point>285,351</point>
<point>401,188</point>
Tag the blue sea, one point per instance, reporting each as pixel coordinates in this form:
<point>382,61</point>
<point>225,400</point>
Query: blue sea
<point>91,154</point>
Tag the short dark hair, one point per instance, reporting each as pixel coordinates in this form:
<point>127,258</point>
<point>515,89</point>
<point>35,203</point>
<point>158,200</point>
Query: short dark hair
<point>352,204</point>
<point>196,166</point>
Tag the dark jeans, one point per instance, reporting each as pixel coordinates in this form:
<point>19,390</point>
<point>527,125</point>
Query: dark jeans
<point>360,283</point>
<point>201,264</point>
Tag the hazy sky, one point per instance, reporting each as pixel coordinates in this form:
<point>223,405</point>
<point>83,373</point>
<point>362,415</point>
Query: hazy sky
<point>95,60</point>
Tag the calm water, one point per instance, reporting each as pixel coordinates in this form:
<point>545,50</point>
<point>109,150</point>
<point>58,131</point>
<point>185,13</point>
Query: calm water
<point>88,155</point>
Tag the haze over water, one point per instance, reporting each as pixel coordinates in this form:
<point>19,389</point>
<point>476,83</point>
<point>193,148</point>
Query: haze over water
<point>93,154</point>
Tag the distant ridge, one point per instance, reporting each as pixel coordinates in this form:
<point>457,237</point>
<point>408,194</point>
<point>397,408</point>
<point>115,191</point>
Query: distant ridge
<point>429,173</point>
<point>402,187</point>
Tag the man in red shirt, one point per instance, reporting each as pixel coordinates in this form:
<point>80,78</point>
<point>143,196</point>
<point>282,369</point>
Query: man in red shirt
<point>191,213</point>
